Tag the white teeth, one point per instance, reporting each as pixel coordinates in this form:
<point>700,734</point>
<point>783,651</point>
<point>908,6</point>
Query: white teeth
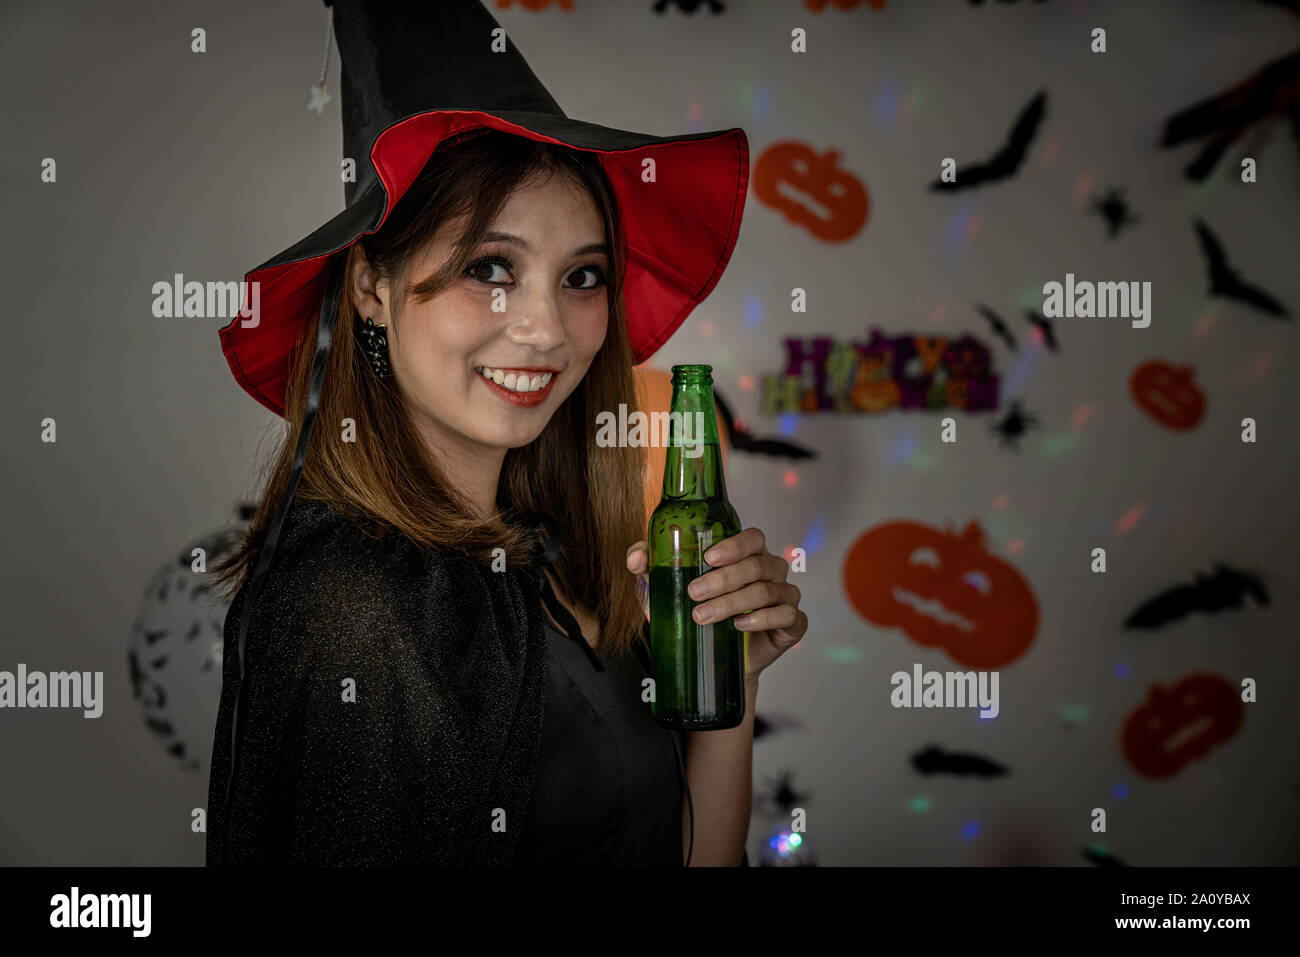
<point>515,381</point>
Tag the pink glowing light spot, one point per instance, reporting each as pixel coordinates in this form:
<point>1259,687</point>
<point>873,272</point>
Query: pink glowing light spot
<point>740,425</point>
<point>790,478</point>
<point>706,329</point>
<point>1203,324</point>
<point>1130,518</point>
<point>1001,501</point>
<point>1051,151</point>
<point>1259,368</point>
<point>972,227</point>
<point>1082,413</point>
<point>746,382</point>
<point>938,315</point>
<point>1036,334</point>
<point>1083,186</point>
<point>1017,546</point>
<point>694,111</point>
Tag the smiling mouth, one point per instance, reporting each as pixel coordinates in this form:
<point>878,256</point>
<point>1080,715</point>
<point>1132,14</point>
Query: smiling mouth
<point>1156,398</point>
<point>931,608</point>
<point>1187,733</point>
<point>537,384</point>
<point>797,195</point>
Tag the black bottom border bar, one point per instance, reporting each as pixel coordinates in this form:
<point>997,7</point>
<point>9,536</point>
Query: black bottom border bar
<point>331,906</point>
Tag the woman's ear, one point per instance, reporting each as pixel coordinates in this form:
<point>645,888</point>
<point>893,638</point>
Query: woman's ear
<point>369,292</point>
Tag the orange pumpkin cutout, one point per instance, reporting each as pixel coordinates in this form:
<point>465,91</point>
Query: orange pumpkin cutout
<point>1181,724</point>
<point>655,394</point>
<point>1168,394</point>
<point>811,190</point>
<point>943,590</point>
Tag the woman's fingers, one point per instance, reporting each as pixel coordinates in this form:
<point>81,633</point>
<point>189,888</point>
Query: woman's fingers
<point>638,558</point>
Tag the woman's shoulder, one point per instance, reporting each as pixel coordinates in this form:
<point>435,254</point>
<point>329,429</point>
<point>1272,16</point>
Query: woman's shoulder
<point>333,575</point>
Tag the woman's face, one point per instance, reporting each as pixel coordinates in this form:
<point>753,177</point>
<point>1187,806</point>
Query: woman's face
<point>531,309</point>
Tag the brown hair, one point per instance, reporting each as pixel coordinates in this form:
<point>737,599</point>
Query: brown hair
<point>386,478</point>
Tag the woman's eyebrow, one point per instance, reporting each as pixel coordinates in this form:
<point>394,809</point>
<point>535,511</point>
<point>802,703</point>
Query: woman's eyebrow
<point>524,244</point>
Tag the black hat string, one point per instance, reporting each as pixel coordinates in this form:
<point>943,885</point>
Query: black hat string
<point>329,311</point>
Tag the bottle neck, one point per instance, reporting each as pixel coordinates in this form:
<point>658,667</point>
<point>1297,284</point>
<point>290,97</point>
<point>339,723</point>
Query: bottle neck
<point>693,466</point>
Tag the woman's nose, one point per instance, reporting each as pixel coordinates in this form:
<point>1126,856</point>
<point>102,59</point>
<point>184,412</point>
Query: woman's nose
<point>536,320</point>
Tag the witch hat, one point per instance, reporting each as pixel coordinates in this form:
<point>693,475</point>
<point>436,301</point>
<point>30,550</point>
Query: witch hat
<point>413,77</point>
<point>416,74</point>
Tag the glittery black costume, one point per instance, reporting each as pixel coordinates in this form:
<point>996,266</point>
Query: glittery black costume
<point>394,715</point>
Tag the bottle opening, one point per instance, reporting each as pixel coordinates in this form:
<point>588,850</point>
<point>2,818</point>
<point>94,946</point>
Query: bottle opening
<point>692,372</point>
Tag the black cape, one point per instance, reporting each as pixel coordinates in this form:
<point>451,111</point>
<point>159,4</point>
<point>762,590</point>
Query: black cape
<point>394,705</point>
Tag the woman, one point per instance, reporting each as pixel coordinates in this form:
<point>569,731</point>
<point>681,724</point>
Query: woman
<point>443,663</point>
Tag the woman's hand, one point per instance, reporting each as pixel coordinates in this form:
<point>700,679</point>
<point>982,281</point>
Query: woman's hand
<point>748,581</point>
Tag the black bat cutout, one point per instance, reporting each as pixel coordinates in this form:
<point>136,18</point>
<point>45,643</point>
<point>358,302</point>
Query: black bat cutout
<point>1227,282</point>
<point>1291,5</point>
<point>772,724</point>
<point>1228,115</point>
<point>934,760</point>
<point>1006,162</point>
<point>1111,207</point>
<point>1013,426</point>
<point>1000,328</point>
<point>781,794</point>
<point>1045,325</point>
<point>1102,858</point>
<point>742,441</point>
<point>1226,588</point>
<point>690,6</point>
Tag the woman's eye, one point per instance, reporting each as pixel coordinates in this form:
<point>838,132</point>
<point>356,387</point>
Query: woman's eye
<point>597,275</point>
<point>482,271</point>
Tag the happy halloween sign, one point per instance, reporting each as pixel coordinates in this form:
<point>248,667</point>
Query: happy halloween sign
<point>903,372</point>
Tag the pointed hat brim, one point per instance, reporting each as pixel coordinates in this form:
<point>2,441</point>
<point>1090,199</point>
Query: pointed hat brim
<point>680,230</point>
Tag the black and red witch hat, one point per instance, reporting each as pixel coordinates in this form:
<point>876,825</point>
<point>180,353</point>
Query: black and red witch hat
<point>416,74</point>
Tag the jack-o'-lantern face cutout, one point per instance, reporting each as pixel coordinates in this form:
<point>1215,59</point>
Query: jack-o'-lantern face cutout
<point>811,190</point>
<point>1181,724</point>
<point>942,589</point>
<point>1167,394</point>
<point>874,389</point>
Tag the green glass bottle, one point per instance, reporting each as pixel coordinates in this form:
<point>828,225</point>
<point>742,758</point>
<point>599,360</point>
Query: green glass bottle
<point>698,670</point>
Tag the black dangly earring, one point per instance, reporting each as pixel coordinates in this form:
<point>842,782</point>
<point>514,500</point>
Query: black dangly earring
<point>374,342</point>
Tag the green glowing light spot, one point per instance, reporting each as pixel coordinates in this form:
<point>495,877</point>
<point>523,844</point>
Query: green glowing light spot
<point>843,654</point>
<point>795,840</point>
<point>920,804</point>
<point>1098,848</point>
<point>1054,446</point>
<point>1075,712</point>
<point>916,97</point>
<point>1032,298</point>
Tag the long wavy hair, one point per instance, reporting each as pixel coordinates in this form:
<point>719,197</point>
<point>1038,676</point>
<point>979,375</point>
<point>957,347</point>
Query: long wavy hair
<point>387,480</point>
